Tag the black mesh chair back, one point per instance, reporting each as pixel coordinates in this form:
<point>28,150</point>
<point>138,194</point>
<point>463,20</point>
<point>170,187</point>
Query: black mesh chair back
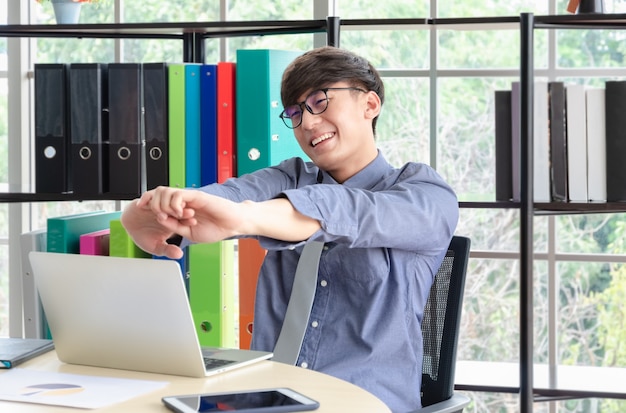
<point>440,326</point>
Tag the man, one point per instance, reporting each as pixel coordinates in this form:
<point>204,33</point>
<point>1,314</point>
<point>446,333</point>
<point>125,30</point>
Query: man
<point>385,229</point>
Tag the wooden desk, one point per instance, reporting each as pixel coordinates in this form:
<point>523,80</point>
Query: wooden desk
<point>567,381</point>
<point>334,395</point>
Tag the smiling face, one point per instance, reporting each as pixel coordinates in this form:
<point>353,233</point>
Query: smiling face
<point>340,140</point>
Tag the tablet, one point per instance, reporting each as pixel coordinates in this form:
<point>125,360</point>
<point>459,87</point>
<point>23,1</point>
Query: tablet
<point>248,401</point>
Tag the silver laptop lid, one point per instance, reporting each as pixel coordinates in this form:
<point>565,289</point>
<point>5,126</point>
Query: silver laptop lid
<point>124,313</point>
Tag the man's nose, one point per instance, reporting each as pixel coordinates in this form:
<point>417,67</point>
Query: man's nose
<point>309,120</point>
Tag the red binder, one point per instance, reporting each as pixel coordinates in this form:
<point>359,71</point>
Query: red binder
<point>225,121</point>
<point>251,257</point>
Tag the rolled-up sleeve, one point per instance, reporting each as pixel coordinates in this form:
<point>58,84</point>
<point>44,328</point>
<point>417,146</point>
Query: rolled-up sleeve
<point>413,209</point>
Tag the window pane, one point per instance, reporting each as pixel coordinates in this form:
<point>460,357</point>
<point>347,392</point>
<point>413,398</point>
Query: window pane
<point>74,50</point>
<point>402,127</point>
<point>478,49</point>
<point>145,50</point>
<point>4,291</point>
<point>487,49</point>
<point>146,11</point>
<point>374,9</point>
<point>410,47</point>
<point>466,137</point>
<point>301,42</point>
<point>453,8</point>
<point>490,318</point>
<point>591,314</point>
<point>490,229</point>
<point>591,234</point>
<point>4,132</point>
<point>269,10</point>
<point>591,48</point>
<point>45,210</point>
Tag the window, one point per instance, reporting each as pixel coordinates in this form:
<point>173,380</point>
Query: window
<point>439,110</point>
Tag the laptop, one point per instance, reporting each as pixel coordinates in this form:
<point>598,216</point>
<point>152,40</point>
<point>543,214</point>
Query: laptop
<point>126,313</point>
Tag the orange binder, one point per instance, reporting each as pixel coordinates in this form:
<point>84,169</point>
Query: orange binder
<point>251,256</point>
<point>225,121</point>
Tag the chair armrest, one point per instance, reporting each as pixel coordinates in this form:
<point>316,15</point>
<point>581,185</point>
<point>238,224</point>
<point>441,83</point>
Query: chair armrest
<point>454,404</point>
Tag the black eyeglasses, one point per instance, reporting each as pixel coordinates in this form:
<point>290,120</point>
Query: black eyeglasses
<point>315,103</point>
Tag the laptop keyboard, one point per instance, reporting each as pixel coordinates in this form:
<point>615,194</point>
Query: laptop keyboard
<point>211,363</point>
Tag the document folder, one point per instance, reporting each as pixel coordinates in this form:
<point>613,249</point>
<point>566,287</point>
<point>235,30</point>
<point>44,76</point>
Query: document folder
<point>121,244</point>
<point>262,138</point>
<point>211,292</point>
<point>52,140</point>
<point>192,125</point>
<point>208,124</point>
<point>34,319</point>
<point>125,149</point>
<point>64,232</point>
<point>155,124</point>
<point>226,164</point>
<point>96,242</point>
<point>87,86</point>
<point>176,117</point>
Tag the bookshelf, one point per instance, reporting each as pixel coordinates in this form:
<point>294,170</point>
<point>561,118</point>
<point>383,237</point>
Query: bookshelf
<point>192,36</point>
<point>527,23</point>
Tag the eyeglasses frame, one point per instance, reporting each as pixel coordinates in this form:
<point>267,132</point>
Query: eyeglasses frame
<point>287,120</point>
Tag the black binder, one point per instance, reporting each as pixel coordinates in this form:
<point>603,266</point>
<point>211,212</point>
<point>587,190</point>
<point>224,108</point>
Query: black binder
<point>87,86</point>
<point>504,143</point>
<point>615,110</point>
<point>52,139</point>
<point>558,141</point>
<point>125,155</point>
<point>155,124</point>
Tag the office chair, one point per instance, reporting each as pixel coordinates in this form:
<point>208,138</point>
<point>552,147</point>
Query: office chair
<point>440,329</point>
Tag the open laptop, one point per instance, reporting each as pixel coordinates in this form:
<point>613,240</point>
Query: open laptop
<point>126,313</point>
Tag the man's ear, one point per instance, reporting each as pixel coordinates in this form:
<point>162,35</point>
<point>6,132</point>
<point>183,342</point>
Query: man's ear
<point>373,105</point>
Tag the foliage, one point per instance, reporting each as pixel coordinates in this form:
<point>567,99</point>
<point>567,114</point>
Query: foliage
<point>75,1</point>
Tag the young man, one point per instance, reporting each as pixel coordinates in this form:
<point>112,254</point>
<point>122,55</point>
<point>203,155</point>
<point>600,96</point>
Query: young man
<point>385,229</point>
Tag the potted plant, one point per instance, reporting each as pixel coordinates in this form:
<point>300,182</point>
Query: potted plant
<point>66,11</point>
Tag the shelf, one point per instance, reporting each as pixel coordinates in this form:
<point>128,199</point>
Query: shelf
<point>552,208</point>
<point>581,21</point>
<point>166,30</point>
<point>579,207</point>
<point>13,197</point>
<point>550,382</point>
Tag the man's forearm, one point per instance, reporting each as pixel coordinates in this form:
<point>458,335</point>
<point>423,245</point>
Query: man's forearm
<point>277,218</point>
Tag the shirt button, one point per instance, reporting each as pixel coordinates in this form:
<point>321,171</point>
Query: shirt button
<point>325,247</point>
<point>314,324</point>
<point>323,283</point>
<point>304,365</point>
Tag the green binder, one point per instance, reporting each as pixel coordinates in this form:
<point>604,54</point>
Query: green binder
<point>64,232</point>
<point>121,244</point>
<point>176,124</point>
<point>212,292</point>
<point>262,138</point>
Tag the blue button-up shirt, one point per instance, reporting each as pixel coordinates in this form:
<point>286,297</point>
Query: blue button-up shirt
<point>385,231</point>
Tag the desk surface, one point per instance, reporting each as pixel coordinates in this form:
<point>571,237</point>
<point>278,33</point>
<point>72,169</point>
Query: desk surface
<point>559,381</point>
<point>334,395</point>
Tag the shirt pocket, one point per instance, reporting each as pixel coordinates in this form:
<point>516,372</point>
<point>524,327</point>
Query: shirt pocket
<point>364,265</point>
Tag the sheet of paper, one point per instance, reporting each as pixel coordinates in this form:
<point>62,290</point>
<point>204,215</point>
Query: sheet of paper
<point>61,389</point>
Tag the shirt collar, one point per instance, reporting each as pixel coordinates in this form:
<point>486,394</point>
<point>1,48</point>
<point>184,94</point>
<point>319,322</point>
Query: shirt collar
<point>367,178</point>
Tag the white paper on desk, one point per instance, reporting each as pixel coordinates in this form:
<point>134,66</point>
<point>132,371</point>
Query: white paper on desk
<point>61,389</point>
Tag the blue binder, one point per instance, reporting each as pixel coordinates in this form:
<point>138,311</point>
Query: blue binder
<point>192,125</point>
<point>208,124</point>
